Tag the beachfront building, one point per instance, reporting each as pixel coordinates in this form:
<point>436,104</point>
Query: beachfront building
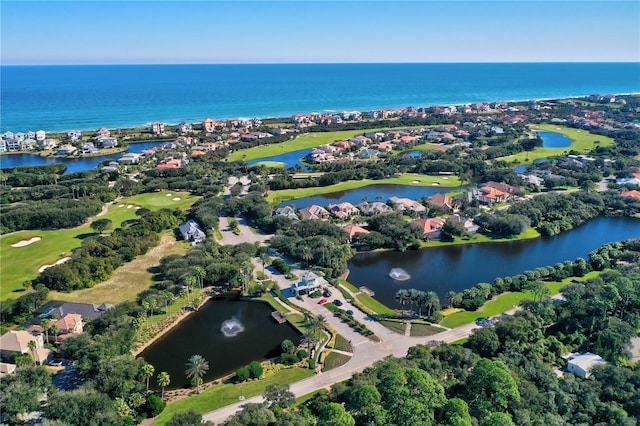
<point>157,128</point>
<point>184,127</point>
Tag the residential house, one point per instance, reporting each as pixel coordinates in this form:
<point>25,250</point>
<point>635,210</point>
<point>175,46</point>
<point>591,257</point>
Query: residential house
<point>314,212</point>
<point>360,140</point>
<point>286,211</point>
<point>442,201</point>
<point>6,369</point>
<point>67,150</point>
<point>374,208</point>
<point>8,135</point>
<point>17,341</point>
<point>68,325</point>
<point>581,364</point>
<point>343,210</point>
<point>58,309</point>
<point>13,144</point>
<point>29,144</point>
<point>504,187</point>
<point>352,230</point>
<point>3,145</point>
<point>129,158</point>
<point>170,163</point>
<point>107,142</point>
<point>184,127</point>
<point>308,283</point>
<point>48,143</point>
<point>74,135</point>
<point>631,194</point>
<point>621,181</point>
<point>89,148</point>
<point>431,228</point>
<point>41,135</point>
<point>368,153</point>
<point>469,225</point>
<point>157,128</point>
<point>191,231</point>
<point>406,204</point>
<point>208,125</point>
<point>102,132</point>
<point>490,195</point>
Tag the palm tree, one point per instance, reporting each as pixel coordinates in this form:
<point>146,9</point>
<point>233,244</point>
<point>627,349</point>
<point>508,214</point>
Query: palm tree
<point>306,254</point>
<point>55,328</point>
<point>32,348</point>
<point>163,381</point>
<point>433,302</point>
<point>196,367</point>
<point>264,258</point>
<point>401,297</point>
<point>46,325</point>
<point>147,371</point>
<point>200,274</point>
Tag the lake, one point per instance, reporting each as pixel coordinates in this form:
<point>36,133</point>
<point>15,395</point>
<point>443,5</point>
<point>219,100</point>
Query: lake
<point>73,164</point>
<point>290,159</point>
<point>554,140</point>
<point>200,334</point>
<point>458,267</point>
<point>375,192</point>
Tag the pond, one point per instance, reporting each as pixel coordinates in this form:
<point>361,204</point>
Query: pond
<point>554,140</point>
<point>442,269</point>
<point>73,164</point>
<point>201,334</point>
<point>290,159</point>
<point>370,193</point>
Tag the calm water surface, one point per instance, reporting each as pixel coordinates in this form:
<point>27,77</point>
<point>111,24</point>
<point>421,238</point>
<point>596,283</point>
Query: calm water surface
<point>456,268</point>
<point>200,334</point>
<point>554,140</point>
<point>289,159</point>
<point>73,164</point>
<point>376,192</point>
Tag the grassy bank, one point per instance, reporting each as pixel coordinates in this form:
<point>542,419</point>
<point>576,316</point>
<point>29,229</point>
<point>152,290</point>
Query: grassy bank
<point>225,394</point>
<point>412,179</point>
<point>505,302</point>
<point>19,264</point>
<point>481,238</point>
<point>583,142</point>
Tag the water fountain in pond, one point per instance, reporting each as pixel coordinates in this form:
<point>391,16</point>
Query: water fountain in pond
<point>399,274</point>
<point>231,327</point>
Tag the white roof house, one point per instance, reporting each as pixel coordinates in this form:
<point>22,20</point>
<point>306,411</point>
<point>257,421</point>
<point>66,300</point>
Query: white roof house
<point>581,364</point>
<point>308,283</point>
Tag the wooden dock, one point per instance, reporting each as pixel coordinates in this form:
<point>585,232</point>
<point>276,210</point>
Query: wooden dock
<point>279,317</point>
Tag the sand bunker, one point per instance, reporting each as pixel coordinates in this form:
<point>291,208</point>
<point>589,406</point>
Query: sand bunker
<point>168,195</point>
<point>138,207</point>
<point>176,199</point>
<point>43,267</point>
<point>121,205</point>
<point>130,206</point>
<point>26,242</point>
<point>415,181</point>
<point>435,184</point>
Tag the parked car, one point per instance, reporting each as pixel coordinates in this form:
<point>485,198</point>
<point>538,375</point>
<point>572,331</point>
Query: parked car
<point>322,301</point>
<point>337,302</point>
<point>349,312</point>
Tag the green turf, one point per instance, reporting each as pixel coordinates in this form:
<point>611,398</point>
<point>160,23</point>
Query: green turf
<point>374,305</point>
<point>412,179</point>
<point>308,140</point>
<point>334,360</point>
<point>481,238</point>
<point>19,264</point>
<point>274,303</point>
<point>269,164</point>
<point>342,344</point>
<point>424,329</point>
<point>225,394</point>
<point>505,302</point>
<point>583,142</point>
<point>397,326</point>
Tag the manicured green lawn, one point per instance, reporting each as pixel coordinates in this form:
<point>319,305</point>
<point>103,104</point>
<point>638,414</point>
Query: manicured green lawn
<point>583,142</point>
<point>418,329</point>
<point>504,303</point>
<point>334,360</point>
<point>226,393</point>
<point>374,305</point>
<point>19,264</point>
<point>342,344</point>
<point>308,140</point>
<point>412,179</point>
<point>349,286</point>
<point>270,164</point>
<point>274,303</point>
<point>481,238</point>
<point>397,326</point>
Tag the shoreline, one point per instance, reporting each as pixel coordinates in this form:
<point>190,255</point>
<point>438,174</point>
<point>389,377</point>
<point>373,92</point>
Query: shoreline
<point>287,116</point>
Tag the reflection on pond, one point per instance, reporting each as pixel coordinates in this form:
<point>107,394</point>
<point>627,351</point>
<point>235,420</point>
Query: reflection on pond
<point>227,332</point>
<point>554,140</point>
<point>442,269</point>
<point>289,159</point>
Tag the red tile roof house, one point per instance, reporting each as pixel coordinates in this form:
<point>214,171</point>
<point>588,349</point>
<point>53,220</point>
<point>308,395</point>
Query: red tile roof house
<point>170,163</point>
<point>352,230</point>
<point>68,325</point>
<point>631,194</point>
<point>431,228</point>
<point>489,195</point>
<point>442,201</point>
<point>343,210</point>
<point>314,212</point>
<point>18,342</point>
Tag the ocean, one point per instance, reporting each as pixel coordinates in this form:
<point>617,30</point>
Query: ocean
<point>59,98</point>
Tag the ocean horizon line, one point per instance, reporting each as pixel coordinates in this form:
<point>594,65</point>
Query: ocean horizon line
<point>313,63</point>
<point>174,122</point>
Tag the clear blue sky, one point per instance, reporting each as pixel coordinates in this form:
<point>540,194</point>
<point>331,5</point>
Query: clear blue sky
<point>89,32</point>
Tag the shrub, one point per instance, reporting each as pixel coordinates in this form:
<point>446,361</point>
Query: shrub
<point>255,368</point>
<point>302,354</point>
<point>287,359</point>
<point>243,374</point>
<point>312,364</point>
<point>155,405</point>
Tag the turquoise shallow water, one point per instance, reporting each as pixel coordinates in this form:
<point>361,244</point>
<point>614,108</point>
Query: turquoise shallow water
<point>56,98</point>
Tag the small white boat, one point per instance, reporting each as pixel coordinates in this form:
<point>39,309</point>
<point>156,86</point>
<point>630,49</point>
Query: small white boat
<point>399,274</point>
